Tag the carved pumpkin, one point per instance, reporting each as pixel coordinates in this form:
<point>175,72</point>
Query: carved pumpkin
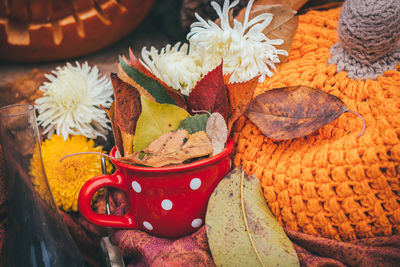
<point>43,30</point>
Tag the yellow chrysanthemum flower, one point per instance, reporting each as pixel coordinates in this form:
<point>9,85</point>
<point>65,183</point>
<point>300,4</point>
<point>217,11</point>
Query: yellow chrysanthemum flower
<point>66,178</point>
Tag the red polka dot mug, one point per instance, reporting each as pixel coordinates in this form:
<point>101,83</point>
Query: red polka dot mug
<point>167,202</point>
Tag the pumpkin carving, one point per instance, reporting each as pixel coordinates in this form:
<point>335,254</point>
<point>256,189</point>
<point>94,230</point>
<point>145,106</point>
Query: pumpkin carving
<point>44,30</point>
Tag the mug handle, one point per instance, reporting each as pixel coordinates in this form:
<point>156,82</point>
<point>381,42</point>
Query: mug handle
<point>85,198</point>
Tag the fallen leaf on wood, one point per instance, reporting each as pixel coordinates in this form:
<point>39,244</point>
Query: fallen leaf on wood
<point>240,95</point>
<point>173,148</point>
<point>241,230</point>
<point>195,123</point>
<point>210,94</point>
<point>293,112</point>
<point>24,89</point>
<point>283,25</point>
<point>217,131</point>
<point>127,111</point>
<point>155,120</point>
<point>161,92</point>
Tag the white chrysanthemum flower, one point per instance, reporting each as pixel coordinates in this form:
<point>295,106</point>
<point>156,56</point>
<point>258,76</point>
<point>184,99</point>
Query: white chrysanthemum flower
<point>71,102</point>
<point>245,50</point>
<point>174,66</point>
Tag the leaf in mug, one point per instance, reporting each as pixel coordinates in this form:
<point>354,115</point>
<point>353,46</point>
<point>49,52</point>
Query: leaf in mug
<point>156,119</point>
<point>241,230</point>
<point>240,95</point>
<point>194,123</point>
<point>283,25</point>
<point>127,111</point>
<point>172,148</point>
<point>115,128</point>
<point>161,92</point>
<point>217,131</point>
<point>210,94</point>
<point>293,112</point>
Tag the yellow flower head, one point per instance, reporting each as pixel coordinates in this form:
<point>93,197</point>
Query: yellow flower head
<point>66,178</point>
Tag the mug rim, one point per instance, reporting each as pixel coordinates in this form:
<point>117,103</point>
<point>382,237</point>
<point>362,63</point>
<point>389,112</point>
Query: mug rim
<point>228,149</point>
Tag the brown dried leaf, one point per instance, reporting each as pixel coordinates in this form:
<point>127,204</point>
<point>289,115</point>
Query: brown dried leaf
<point>217,131</point>
<point>127,110</point>
<point>115,128</point>
<point>293,112</point>
<point>283,25</point>
<point>293,4</point>
<point>171,148</point>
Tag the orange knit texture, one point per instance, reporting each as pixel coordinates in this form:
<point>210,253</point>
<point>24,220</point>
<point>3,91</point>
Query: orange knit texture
<point>331,183</point>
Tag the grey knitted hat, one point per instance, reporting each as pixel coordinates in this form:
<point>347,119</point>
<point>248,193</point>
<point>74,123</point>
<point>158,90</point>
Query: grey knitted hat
<point>369,38</point>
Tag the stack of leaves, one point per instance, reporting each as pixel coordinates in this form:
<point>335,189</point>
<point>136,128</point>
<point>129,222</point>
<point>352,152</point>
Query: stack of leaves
<point>156,126</point>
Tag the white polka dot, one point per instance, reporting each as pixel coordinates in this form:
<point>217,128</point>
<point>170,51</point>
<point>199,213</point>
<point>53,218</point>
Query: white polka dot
<point>136,186</point>
<point>166,204</point>
<point>195,183</point>
<point>148,226</point>
<point>197,222</point>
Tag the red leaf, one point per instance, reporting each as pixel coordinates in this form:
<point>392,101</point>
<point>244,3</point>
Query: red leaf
<point>177,96</point>
<point>210,94</point>
<point>127,106</point>
<point>138,65</point>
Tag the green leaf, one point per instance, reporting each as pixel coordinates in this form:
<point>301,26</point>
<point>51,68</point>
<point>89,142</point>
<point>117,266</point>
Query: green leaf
<point>156,119</point>
<point>194,123</point>
<point>241,230</point>
<point>156,89</point>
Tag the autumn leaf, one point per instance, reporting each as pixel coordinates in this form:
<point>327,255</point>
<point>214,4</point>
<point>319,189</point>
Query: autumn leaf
<point>173,148</point>
<point>139,66</point>
<point>293,112</point>
<point>217,131</point>
<point>293,4</point>
<point>115,128</point>
<point>240,95</point>
<point>210,94</point>
<point>194,123</point>
<point>127,111</point>
<point>156,119</point>
<point>160,91</point>
<point>283,25</point>
<point>241,230</point>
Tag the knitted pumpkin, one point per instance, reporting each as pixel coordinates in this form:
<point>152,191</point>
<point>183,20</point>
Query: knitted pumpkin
<point>330,183</point>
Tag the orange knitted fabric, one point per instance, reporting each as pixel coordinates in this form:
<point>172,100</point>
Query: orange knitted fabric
<point>331,183</point>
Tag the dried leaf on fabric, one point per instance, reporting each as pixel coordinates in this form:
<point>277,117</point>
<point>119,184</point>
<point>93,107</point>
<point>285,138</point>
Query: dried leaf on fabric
<point>238,215</point>
<point>210,94</point>
<point>240,95</point>
<point>293,4</point>
<point>161,92</point>
<point>127,110</point>
<point>195,123</point>
<point>217,131</point>
<point>293,112</point>
<point>283,25</point>
<point>172,148</point>
<point>156,119</point>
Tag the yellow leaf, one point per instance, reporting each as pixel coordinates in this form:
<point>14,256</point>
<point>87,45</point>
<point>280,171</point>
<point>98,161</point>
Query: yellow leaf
<point>155,120</point>
<point>241,230</point>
